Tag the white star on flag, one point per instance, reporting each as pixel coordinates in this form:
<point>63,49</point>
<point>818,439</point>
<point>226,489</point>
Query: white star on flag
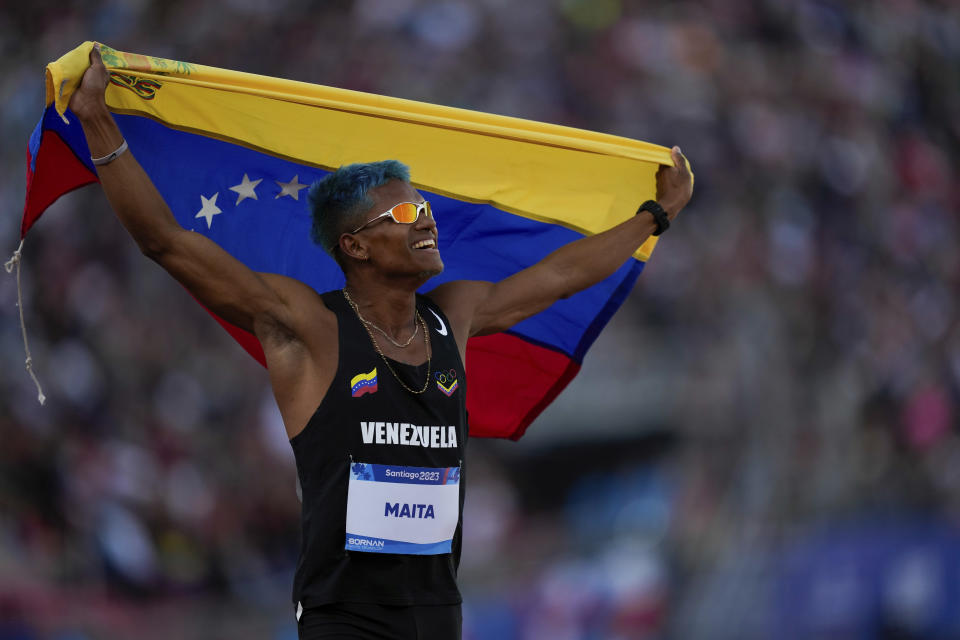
<point>209,209</point>
<point>246,189</point>
<point>291,188</point>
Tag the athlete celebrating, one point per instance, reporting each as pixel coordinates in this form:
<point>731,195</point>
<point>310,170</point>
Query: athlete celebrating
<point>369,380</point>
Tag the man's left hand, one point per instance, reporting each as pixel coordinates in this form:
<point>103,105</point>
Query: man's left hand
<point>674,184</point>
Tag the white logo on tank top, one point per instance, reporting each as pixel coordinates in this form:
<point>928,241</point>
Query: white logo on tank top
<point>443,328</point>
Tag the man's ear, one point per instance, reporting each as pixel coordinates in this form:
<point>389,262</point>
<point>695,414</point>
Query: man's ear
<point>353,247</point>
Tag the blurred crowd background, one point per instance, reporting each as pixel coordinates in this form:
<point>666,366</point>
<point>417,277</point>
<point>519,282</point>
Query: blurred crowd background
<point>763,444</point>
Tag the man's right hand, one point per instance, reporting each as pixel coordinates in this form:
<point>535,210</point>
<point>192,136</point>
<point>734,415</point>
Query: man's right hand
<point>88,100</point>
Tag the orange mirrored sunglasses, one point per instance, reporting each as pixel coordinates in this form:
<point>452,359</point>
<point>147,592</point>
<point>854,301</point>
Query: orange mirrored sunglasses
<point>403,213</point>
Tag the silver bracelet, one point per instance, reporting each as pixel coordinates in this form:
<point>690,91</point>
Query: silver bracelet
<point>110,157</point>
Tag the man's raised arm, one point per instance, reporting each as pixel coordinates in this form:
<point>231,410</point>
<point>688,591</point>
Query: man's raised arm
<point>478,308</point>
<point>254,302</point>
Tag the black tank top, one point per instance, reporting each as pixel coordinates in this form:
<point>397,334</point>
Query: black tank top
<point>339,432</point>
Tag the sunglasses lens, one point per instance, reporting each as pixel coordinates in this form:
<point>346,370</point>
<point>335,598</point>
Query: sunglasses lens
<point>405,213</point>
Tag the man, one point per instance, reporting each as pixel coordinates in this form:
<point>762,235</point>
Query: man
<point>365,377</point>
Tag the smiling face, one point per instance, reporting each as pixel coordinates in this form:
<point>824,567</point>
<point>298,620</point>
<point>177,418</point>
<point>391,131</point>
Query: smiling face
<point>404,250</point>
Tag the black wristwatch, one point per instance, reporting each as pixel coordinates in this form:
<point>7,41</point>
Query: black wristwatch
<point>659,215</point>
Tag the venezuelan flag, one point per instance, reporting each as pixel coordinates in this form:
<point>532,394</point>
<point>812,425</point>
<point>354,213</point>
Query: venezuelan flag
<point>233,152</point>
<point>363,383</point>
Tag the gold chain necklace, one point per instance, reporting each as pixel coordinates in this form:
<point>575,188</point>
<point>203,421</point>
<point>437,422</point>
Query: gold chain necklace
<point>356,309</point>
<point>376,347</point>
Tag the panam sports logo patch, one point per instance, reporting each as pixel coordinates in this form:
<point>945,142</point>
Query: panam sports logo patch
<point>363,383</point>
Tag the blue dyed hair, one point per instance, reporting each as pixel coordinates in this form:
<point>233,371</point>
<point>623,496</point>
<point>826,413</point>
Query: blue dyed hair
<point>336,200</point>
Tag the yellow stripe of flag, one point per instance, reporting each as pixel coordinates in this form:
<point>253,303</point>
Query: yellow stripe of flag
<point>582,180</point>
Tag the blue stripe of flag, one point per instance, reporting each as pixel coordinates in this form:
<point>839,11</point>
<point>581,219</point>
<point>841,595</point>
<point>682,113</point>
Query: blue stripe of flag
<point>477,242</point>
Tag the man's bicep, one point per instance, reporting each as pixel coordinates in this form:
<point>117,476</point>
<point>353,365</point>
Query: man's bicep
<point>219,281</point>
<point>515,299</point>
<point>491,307</point>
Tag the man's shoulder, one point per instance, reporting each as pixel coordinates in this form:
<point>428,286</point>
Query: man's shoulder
<point>303,309</point>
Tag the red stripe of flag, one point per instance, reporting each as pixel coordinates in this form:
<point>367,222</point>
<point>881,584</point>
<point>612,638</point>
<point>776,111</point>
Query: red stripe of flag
<point>58,171</point>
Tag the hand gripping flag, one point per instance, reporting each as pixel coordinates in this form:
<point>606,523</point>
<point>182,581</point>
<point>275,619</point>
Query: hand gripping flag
<point>232,152</point>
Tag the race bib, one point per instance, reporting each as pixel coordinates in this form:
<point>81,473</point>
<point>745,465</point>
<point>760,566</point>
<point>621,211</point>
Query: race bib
<point>397,509</point>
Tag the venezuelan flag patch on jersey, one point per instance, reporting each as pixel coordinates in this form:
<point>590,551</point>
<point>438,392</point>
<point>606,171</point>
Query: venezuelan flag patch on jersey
<point>363,383</point>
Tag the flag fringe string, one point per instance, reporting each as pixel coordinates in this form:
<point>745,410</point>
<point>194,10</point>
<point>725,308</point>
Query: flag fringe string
<point>10,265</point>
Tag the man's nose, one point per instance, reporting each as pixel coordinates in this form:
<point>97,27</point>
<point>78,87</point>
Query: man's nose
<point>425,221</point>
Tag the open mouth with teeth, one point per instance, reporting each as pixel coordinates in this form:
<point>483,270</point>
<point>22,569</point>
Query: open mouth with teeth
<point>425,244</point>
